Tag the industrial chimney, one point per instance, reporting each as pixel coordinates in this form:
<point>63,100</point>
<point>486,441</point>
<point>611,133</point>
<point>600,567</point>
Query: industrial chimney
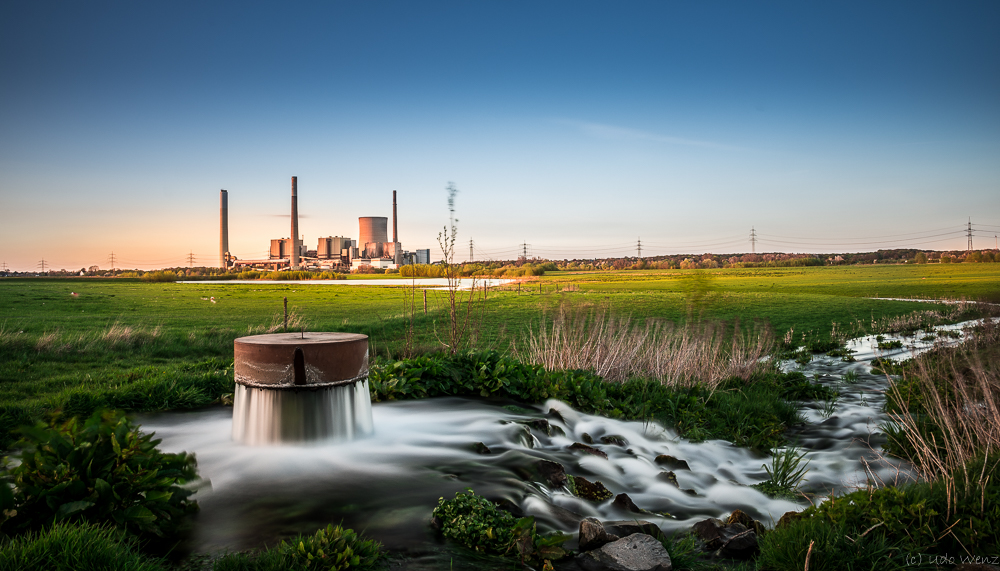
<point>294,262</point>
<point>397,256</point>
<point>223,227</point>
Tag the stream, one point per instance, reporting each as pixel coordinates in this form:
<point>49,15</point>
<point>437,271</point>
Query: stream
<point>387,484</point>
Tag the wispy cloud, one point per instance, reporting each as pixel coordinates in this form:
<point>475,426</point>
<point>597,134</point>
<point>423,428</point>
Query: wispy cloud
<point>612,132</point>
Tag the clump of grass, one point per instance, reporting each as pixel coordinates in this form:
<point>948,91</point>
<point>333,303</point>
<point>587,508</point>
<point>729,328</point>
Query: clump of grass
<point>785,474</point>
<point>876,528</point>
<point>888,345</point>
<point>71,547</point>
<point>295,322</point>
<point>618,349</point>
<point>910,323</point>
<point>850,377</point>
<point>829,406</point>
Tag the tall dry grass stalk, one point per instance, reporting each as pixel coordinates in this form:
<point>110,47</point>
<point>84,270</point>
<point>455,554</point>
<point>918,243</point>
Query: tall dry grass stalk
<point>959,393</point>
<point>295,323</point>
<point>618,349</point>
<point>925,318</point>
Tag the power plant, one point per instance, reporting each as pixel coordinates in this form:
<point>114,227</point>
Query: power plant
<point>372,248</point>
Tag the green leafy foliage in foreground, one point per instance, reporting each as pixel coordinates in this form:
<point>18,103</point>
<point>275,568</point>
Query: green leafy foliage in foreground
<point>880,529</point>
<point>103,471</point>
<point>479,524</point>
<point>332,548</point>
<point>752,413</point>
<point>75,547</point>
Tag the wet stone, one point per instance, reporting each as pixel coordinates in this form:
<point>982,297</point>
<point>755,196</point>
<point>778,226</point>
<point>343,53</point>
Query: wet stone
<point>509,506</point>
<point>626,527</point>
<point>671,462</point>
<point>480,448</point>
<point>710,532</point>
<point>624,502</point>
<point>552,472</point>
<point>637,552</point>
<point>739,516</point>
<point>614,439</point>
<point>587,438</point>
<point>668,477</point>
<point>557,415</point>
<point>787,519</point>
<point>734,540</point>
<point>593,535</point>
<point>738,541</point>
<point>593,491</point>
<point>543,426</point>
<point>588,449</point>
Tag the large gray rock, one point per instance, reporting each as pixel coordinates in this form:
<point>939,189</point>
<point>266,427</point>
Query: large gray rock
<point>637,552</point>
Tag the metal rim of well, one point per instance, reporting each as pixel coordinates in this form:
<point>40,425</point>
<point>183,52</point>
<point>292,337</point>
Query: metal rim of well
<point>305,387</point>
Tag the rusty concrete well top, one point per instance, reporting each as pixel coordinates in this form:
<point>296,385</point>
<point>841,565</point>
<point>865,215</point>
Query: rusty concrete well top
<point>300,360</point>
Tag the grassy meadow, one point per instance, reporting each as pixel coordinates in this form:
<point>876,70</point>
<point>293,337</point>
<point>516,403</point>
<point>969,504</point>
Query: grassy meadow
<point>66,342</point>
<point>681,347</point>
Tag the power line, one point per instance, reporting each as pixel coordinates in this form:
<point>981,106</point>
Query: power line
<point>470,250</point>
<point>524,247</point>
<point>970,234</point>
<point>42,264</point>
<point>753,240</point>
<point>638,246</point>
<point>111,259</point>
<point>190,259</point>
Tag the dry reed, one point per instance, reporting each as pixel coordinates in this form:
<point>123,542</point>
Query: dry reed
<point>618,349</point>
<point>925,318</point>
<point>960,396</point>
<point>295,323</point>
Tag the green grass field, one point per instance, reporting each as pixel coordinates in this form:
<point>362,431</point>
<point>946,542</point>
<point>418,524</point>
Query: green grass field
<point>132,338</point>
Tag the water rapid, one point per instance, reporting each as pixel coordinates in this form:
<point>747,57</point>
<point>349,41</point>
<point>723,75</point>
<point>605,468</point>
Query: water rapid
<point>387,483</point>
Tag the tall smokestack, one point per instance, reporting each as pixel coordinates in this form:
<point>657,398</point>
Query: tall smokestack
<point>295,224</point>
<point>223,227</point>
<point>397,252</point>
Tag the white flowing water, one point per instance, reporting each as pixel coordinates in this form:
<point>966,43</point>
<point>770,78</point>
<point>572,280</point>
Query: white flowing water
<point>387,483</point>
<point>322,414</point>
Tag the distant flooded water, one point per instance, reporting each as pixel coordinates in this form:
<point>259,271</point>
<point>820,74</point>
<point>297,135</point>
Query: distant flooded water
<point>423,283</point>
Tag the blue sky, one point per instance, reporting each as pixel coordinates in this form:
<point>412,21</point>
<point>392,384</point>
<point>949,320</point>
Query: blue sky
<point>576,127</point>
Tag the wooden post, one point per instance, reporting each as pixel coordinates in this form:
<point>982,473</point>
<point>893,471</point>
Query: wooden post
<point>286,315</point>
<point>425,302</point>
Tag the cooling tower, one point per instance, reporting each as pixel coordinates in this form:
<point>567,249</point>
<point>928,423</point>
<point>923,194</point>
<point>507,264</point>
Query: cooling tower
<point>223,227</point>
<point>372,229</point>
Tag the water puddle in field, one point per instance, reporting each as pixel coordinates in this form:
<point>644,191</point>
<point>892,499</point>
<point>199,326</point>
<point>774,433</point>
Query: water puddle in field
<point>387,484</point>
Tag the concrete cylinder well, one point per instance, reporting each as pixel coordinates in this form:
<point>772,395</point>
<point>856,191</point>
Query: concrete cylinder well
<point>298,387</point>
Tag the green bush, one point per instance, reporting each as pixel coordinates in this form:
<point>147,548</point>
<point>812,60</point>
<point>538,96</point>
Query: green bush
<point>751,413</point>
<point>75,547</point>
<point>479,524</point>
<point>332,548</point>
<point>103,471</point>
<point>159,276</point>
